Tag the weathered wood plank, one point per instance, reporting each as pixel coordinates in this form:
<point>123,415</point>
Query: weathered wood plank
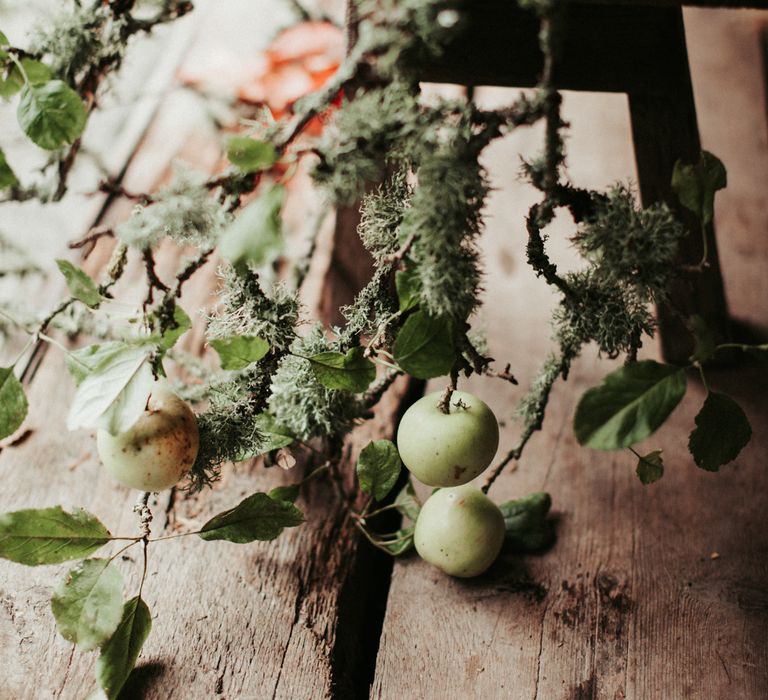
<point>629,602</point>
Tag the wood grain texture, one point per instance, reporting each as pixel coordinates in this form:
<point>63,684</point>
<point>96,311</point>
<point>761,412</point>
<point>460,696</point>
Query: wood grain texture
<point>630,602</point>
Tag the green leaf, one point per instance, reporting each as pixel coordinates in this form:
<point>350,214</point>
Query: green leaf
<point>424,346</point>
<point>169,337</point>
<point>258,517</point>
<point>630,404</point>
<point>250,155</point>
<point>88,604</point>
<point>49,535</point>
<point>37,74</point>
<point>7,176</point>
<point>256,236</point>
<point>407,502</point>
<point>13,403</point>
<point>704,341</point>
<point>695,185</point>
<point>80,285</point>
<point>83,361</point>
<point>273,436</point>
<point>722,431</point>
<point>114,393</point>
<point>52,114</point>
<point>239,351</point>
<point>526,524</point>
<point>650,467</point>
<point>119,654</point>
<point>285,493</point>
<point>402,542</point>
<point>408,285</point>
<point>378,467</point>
<point>350,372</point>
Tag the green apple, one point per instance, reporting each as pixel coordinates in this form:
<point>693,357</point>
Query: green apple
<point>459,530</point>
<point>448,449</point>
<point>158,449</point>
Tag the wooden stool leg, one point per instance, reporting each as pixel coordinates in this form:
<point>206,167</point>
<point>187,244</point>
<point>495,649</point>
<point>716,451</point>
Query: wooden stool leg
<point>664,129</point>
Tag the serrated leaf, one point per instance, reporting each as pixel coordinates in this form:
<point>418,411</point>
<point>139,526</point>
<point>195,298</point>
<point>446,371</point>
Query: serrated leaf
<point>7,176</point>
<point>88,604</point>
<point>79,284</point>
<point>407,502</point>
<point>285,493</point>
<point>527,528</point>
<point>630,404</point>
<point>51,114</point>
<point>424,346</point>
<point>378,467</point>
<point>114,394</point>
<point>258,517</point>
<point>13,403</point>
<point>256,236</point>
<point>704,340</point>
<point>695,185</point>
<point>120,652</point>
<point>239,351</point>
<point>722,431</point>
<point>49,535</point>
<point>402,543</point>
<point>408,285</point>
<point>350,372</point>
<point>37,74</point>
<point>250,155</point>
<point>650,467</point>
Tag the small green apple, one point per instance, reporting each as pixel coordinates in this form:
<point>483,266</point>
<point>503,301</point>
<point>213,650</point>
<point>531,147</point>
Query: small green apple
<point>459,530</point>
<point>158,449</point>
<point>448,449</point>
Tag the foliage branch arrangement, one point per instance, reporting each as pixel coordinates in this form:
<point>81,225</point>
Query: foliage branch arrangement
<point>279,389</point>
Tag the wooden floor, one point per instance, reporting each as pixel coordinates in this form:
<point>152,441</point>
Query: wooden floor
<point>656,592</point>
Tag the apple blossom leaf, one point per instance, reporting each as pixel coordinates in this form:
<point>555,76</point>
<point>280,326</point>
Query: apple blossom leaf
<point>273,437</point>
<point>401,543</point>
<point>7,176</point>
<point>526,524</point>
<point>285,493</point>
<point>250,155</point>
<point>13,403</point>
<point>378,467</point>
<point>88,604</point>
<point>722,431</point>
<point>80,285</point>
<point>650,467</point>
<point>120,652</point>
<point>50,535</point>
<point>407,502</point>
<point>695,185</point>
<point>256,236</point>
<point>51,114</point>
<point>239,351</point>
<point>351,371</point>
<point>408,286</point>
<point>114,393</point>
<point>81,362</point>
<point>168,338</point>
<point>703,339</point>
<point>37,74</point>
<point>258,517</point>
<point>629,405</point>
<point>424,346</point>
